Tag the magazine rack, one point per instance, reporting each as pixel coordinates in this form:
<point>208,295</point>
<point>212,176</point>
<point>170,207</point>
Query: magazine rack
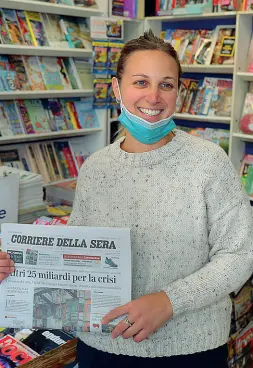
<point>56,358</point>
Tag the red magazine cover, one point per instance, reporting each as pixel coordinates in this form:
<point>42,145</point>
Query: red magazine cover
<point>14,353</point>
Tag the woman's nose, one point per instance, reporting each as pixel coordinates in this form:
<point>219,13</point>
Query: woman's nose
<point>153,96</point>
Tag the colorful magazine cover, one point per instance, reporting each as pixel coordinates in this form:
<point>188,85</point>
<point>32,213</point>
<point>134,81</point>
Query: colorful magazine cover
<point>50,73</point>
<point>21,353</point>
<point>24,27</point>
<point>33,71</point>
<point>36,28</point>
<point>11,22</point>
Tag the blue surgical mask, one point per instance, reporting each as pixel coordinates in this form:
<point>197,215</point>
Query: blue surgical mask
<point>142,130</point>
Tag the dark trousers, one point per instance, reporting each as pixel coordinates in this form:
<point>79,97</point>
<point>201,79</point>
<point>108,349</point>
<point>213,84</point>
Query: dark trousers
<point>92,358</point>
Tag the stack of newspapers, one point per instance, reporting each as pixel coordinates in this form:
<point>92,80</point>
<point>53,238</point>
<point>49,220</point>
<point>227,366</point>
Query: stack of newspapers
<point>30,203</point>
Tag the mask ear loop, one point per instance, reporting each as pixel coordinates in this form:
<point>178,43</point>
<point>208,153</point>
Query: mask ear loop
<point>120,99</point>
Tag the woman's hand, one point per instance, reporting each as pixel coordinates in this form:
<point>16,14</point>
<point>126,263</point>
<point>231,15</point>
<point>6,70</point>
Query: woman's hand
<point>146,314</point>
<point>6,266</point>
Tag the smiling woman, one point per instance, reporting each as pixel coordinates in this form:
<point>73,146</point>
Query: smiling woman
<point>147,91</point>
<point>191,224</point>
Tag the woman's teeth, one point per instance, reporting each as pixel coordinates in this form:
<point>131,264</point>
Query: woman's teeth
<point>150,112</point>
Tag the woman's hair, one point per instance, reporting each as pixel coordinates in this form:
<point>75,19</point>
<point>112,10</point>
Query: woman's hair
<point>146,42</point>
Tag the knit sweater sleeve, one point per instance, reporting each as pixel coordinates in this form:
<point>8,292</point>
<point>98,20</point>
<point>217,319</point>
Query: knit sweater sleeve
<point>229,221</point>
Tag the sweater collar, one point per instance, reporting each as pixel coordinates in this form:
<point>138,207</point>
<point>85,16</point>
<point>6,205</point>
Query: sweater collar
<point>148,158</point>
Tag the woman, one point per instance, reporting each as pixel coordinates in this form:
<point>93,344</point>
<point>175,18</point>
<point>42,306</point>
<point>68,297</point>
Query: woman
<point>190,224</point>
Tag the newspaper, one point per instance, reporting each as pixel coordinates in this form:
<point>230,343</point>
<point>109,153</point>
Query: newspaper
<point>66,277</point>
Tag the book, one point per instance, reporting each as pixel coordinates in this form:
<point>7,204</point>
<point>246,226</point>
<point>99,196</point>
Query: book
<point>76,32</point>
<point>20,355</point>
<point>36,28</point>
<point>9,80</point>
<point>4,30</point>
<point>55,36</point>
<point>12,24</point>
<point>13,115</point>
<point>224,45</point>
<point>37,116</point>
<point>86,114</point>
<point>16,63</point>
<point>43,340</point>
<point>64,74</point>
<point>24,27</point>
<point>72,73</point>
<point>50,73</point>
<point>25,117</point>
<point>33,71</point>
<point>6,130</point>
<point>84,70</point>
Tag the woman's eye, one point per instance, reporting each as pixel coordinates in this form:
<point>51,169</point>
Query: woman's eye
<point>167,86</point>
<point>141,83</point>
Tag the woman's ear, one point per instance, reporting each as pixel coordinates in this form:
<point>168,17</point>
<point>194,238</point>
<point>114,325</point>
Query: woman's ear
<point>115,88</point>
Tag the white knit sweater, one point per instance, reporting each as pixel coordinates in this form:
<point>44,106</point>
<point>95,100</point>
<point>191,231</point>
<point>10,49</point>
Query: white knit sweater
<point>191,232</point>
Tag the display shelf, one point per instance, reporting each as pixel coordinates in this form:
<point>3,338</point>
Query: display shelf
<point>209,69</point>
<point>59,182</point>
<point>44,51</point>
<point>244,137</point>
<point>246,76</point>
<point>38,6</point>
<point>45,94</point>
<point>214,119</point>
<point>22,138</point>
<point>126,19</point>
<point>185,17</point>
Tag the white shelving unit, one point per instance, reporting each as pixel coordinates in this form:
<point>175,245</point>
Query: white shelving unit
<point>44,51</point>
<point>45,94</point>
<point>38,6</point>
<point>23,138</point>
<point>184,17</point>
<point>203,118</point>
<point>215,69</point>
<point>89,139</point>
<point>241,78</point>
<point>132,29</point>
<point>240,87</point>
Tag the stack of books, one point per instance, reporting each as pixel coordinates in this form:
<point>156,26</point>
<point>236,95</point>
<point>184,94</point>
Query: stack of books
<point>30,193</point>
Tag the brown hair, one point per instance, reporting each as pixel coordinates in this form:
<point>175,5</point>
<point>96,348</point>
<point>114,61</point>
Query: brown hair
<point>146,42</point>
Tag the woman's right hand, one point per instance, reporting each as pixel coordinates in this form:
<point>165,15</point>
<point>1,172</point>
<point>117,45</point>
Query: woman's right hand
<point>6,266</point>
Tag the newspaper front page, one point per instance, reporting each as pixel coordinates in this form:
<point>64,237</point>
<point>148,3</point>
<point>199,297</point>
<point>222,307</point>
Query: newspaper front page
<point>66,277</point>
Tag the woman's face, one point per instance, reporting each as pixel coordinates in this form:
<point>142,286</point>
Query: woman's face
<point>149,85</point>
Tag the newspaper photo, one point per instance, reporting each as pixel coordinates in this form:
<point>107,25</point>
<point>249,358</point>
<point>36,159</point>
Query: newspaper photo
<point>66,277</point>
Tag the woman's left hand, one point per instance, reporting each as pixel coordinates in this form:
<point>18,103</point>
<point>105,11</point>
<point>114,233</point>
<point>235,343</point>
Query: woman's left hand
<point>146,314</point>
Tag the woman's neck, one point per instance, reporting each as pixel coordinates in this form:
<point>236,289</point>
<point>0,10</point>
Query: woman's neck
<point>131,145</point>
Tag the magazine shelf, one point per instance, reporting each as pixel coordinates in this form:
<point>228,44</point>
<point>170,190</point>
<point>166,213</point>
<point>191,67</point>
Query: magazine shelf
<point>185,17</point>
<point>45,94</point>
<point>74,11</point>
<point>208,69</point>
<point>248,77</point>
<point>44,51</point>
<point>203,118</point>
<point>51,135</point>
<point>59,182</point>
<point>244,137</point>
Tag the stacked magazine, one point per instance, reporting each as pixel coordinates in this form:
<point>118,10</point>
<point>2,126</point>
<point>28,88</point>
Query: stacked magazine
<point>30,188</point>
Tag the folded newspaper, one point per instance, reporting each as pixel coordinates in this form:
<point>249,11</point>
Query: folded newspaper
<point>66,277</point>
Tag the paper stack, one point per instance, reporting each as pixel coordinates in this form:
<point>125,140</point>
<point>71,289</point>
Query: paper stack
<point>30,203</point>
